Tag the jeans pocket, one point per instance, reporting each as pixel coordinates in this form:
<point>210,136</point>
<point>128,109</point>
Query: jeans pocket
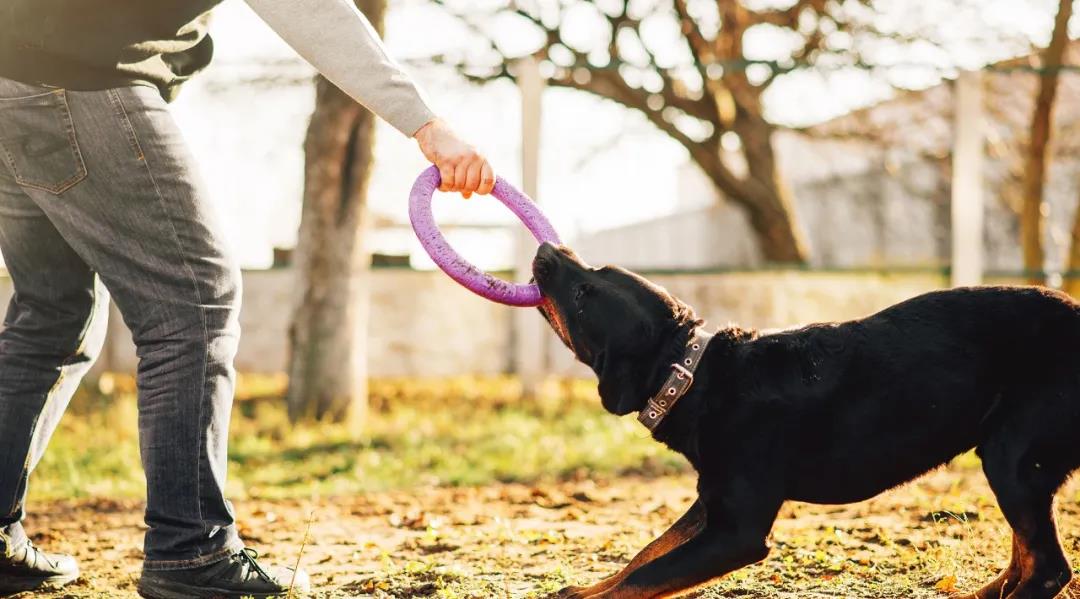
<point>37,141</point>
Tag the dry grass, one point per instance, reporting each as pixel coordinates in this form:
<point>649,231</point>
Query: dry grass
<point>460,491</point>
<point>940,533</point>
<point>454,432</point>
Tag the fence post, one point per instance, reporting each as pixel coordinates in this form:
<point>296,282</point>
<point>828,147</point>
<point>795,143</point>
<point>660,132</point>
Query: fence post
<point>529,340</point>
<point>967,181</point>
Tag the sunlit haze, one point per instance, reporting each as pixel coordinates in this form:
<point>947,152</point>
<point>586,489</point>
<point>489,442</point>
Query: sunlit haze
<point>601,165</point>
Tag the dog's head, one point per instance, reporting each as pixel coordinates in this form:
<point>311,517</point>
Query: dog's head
<point>615,321</point>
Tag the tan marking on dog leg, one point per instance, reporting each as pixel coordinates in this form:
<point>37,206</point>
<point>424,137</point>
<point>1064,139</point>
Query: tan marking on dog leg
<point>679,532</point>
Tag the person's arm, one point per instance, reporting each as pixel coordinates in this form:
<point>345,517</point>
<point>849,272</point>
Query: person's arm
<point>336,38</point>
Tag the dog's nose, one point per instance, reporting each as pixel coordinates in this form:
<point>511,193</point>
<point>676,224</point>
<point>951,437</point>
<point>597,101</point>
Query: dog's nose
<point>542,267</point>
<point>545,260</point>
<point>547,250</point>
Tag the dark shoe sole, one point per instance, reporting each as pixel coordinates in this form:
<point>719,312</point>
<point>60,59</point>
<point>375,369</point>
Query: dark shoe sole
<point>21,585</point>
<point>166,590</point>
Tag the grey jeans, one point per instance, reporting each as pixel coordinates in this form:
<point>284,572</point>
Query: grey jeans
<point>99,196</point>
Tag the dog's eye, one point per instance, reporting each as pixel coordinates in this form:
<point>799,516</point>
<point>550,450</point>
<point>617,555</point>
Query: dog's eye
<point>582,291</point>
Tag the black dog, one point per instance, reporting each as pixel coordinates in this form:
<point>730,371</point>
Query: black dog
<point>831,413</point>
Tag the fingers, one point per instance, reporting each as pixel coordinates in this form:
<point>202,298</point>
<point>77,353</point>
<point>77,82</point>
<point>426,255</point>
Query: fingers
<point>446,175</point>
<point>461,175</point>
<point>461,167</point>
<point>467,175</point>
<point>472,177</point>
<point>487,179</point>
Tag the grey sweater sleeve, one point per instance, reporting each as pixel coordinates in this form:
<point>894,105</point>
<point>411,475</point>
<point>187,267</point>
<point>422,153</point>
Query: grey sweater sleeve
<point>337,39</point>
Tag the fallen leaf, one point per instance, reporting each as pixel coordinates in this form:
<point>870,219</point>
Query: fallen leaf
<point>947,585</point>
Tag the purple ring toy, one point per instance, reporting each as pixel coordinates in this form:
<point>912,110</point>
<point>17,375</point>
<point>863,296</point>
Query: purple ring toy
<point>460,269</point>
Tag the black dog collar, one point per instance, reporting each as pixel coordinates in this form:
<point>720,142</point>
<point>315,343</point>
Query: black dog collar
<point>678,382</point>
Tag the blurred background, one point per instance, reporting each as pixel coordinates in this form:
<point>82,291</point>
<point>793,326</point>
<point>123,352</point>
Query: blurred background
<point>771,162</point>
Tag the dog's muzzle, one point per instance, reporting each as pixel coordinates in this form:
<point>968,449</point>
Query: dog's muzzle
<point>554,318</point>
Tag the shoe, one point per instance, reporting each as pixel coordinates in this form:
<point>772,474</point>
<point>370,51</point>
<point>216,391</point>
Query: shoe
<point>238,575</point>
<point>27,568</point>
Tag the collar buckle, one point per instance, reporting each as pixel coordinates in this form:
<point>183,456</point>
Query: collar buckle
<point>678,383</point>
<point>683,373</point>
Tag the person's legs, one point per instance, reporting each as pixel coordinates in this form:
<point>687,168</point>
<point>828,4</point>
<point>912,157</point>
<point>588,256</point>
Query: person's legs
<point>53,330</point>
<point>140,219</point>
<point>110,172</point>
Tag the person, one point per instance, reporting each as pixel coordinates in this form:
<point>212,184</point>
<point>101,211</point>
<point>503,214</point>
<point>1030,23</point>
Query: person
<point>99,197</point>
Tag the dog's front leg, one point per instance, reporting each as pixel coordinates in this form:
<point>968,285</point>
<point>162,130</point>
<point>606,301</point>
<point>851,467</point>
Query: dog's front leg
<point>707,556</point>
<point>684,528</point>
<point>733,535</point>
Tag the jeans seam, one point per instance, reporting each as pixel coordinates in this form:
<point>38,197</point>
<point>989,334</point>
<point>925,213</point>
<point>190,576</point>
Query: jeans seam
<point>125,123</point>
<point>30,97</point>
<point>51,393</point>
<point>205,332</point>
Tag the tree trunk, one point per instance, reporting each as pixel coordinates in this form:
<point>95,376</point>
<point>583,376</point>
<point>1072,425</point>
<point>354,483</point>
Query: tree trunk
<point>774,221</point>
<point>768,206</point>
<point>1072,280</point>
<point>328,332</point>
<point>774,218</point>
<point>762,193</point>
<point>1032,221</point>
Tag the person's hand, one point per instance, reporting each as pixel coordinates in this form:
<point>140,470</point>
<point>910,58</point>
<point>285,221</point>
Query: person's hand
<point>461,167</point>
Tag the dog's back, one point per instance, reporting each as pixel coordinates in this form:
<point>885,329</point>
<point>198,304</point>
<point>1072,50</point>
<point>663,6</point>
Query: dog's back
<point>995,368</point>
<point>887,397</point>
<point>1030,329</point>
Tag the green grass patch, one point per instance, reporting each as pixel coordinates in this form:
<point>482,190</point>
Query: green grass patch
<point>416,433</point>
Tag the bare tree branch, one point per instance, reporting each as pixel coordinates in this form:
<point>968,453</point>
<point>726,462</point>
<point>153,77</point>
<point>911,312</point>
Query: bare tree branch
<point>787,17</point>
<point>725,100</point>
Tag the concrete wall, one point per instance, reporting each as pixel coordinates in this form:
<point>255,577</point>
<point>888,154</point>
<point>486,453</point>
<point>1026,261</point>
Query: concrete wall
<point>859,206</point>
<point>423,324</point>
<point>777,299</point>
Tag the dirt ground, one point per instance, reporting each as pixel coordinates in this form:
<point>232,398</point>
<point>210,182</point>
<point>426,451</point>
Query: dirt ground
<point>937,536</point>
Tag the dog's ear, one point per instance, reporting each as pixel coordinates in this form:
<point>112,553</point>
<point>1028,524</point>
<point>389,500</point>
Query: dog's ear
<point>620,386</point>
